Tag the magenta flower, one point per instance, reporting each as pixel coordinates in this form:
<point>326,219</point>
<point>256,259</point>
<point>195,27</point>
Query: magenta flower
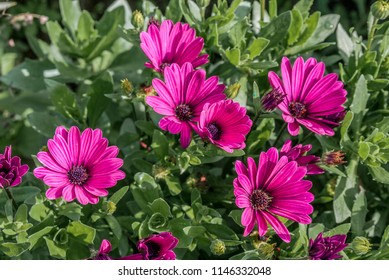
<point>182,98</point>
<point>298,154</point>
<point>172,43</point>
<point>11,170</point>
<point>79,166</point>
<point>224,124</point>
<point>312,100</point>
<point>275,188</point>
<point>105,249</point>
<point>327,248</point>
<point>271,100</point>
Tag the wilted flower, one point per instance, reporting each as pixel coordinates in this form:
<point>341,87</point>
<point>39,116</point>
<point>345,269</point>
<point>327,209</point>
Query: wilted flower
<point>156,247</point>
<point>334,158</point>
<point>172,43</point>
<point>275,187</point>
<point>360,245</point>
<point>217,247</point>
<point>271,100</point>
<point>298,154</point>
<point>311,98</point>
<point>79,166</point>
<point>225,124</point>
<point>327,248</point>
<point>181,99</point>
<point>11,169</point>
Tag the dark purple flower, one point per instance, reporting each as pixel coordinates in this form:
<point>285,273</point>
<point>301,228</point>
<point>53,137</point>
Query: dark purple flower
<point>327,248</point>
<point>271,100</point>
<point>105,249</point>
<point>11,170</point>
<point>298,154</point>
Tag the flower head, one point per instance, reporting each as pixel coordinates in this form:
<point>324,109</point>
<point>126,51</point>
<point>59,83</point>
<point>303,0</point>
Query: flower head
<point>274,188</point>
<point>298,154</point>
<point>79,166</point>
<point>225,124</point>
<point>182,98</point>
<point>170,43</point>
<point>327,248</point>
<point>311,98</point>
<point>334,158</point>
<point>105,249</point>
<point>271,100</point>
<point>11,169</point>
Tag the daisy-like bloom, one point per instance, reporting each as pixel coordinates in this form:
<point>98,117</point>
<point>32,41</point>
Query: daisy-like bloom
<point>224,124</point>
<point>298,154</point>
<point>11,169</point>
<point>181,98</point>
<point>172,43</point>
<point>79,166</point>
<point>156,247</point>
<point>327,248</point>
<point>312,100</point>
<point>274,188</point>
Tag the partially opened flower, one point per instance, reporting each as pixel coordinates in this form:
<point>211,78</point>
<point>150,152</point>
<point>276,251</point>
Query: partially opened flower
<point>170,43</point>
<point>311,100</point>
<point>79,166</point>
<point>273,188</point>
<point>327,248</point>
<point>181,99</point>
<point>156,247</point>
<point>105,249</point>
<point>224,124</point>
<point>11,169</point>
<point>298,153</point>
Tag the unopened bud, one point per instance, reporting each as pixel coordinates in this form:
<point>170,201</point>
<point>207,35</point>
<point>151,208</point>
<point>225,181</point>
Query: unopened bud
<point>360,245</point>
<point>265,250</point>
<point>160,171</point>
<point>271,100</point>
<point>126,86</point>
<point>43,19</point>
<point>111,207</point>
<point>233,90</point>
<point>137,19</point>
<point>380,9</point>
<point>218,247</point>
<point>334,158</point>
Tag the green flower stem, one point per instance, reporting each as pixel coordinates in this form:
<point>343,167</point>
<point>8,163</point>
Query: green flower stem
<point>11,197</point>
<point>263,10</point>
<point>279,134</point>
<point>371,34</point>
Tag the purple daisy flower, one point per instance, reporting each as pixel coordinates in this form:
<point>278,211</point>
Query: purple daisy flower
<point>225,124</point>
<point>170,43</point>
<point>274,188</point>
<point>11,169</point>
<point>327,248</point>
<point>298,154</point>
<point>181,98</point>
<point>312,100</point>
<point>79,166</point>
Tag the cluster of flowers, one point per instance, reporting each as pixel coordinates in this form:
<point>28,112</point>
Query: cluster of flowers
<point>187,100</point>
<point>81,165</point>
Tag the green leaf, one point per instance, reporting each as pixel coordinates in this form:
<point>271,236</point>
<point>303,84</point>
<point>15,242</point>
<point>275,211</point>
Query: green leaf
<point>34,238</point>
<point>341,229</point>
<point>303,6</point>
<point>174,185</point>
<point>277,29</point>
<point>345,44</point>
<point>161,206</point>
<point>310,26</point>
<point>194,10</point>
<point>85,30</point>
<point>21,214</point>
<point>358,106</point>
<point>344,137</point>
<point>379,174</point>
<point>295,26</point>
<point>272,8</point>
<point>157,222</point>
<point>13,249</point>
<point>363,150</point>
<point>194,231</point>
<point>383,125</point>
<point>98,102</point>
<point>71,210</point>
<point>326,26</point>
<point>233,55</point>
<point>118,195</point>
<point>64,101</point>
<point>39,212</point>
<point>221,231</point>
<point>82,232</point>
<point>7,62</point>
<point>115,226</point>
<point>160,144</point>
<point>173,11</point>
<point>358,215</point>
<point>70,12</point>
<point>186,12</point>
<point>56,251</point>
<point>236,215</point>
<point>43,123</point>
<point>9,213</point>
<point>257,47</point>
<point>177,225</point>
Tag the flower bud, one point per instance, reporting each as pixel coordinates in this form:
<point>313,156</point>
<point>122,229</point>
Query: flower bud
<point>111,207</point>
<point>218,247</point>
<point>360,245</point>
<point>137,19</point>
<point>334,158</point>
<point>160,171</point>
<point>233,90</point>
<point>265,250</point>
<point>271,100</point>
<point>126,86</point>
<point>380,9</point>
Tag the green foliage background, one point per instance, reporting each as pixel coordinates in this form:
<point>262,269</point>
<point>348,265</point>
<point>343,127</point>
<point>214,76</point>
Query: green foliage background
<point>69,71</point>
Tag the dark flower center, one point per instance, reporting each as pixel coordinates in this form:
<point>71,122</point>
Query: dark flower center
<point>153,249</point>
<point>78,175</point>
<point>164,65</point>
<point>215,131</point>
<point>183,112</point>
<point>297,110</point>
<point>260,200</point>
